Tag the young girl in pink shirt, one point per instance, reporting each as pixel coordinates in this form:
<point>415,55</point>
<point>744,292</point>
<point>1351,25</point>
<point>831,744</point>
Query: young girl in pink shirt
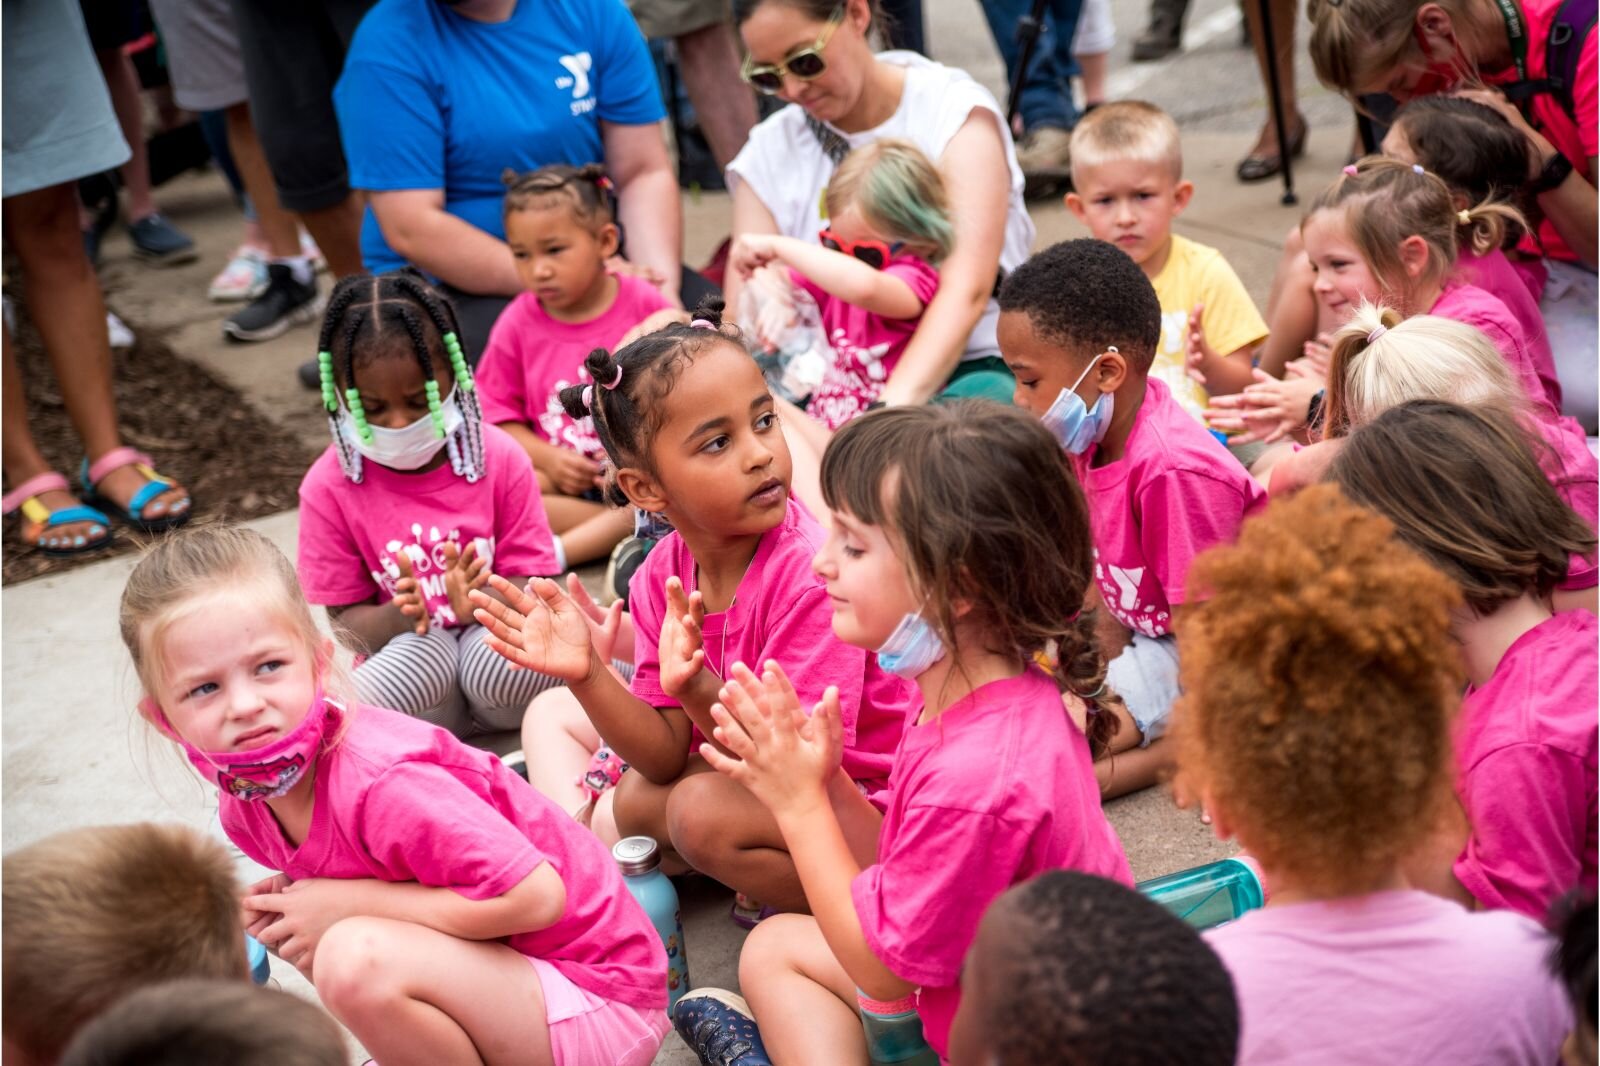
<point>1320,684</point>
<point>959,551</point>
<point>688,422</point>
<point>1380,361</point>
<point>412,505</point>
<point>560,229</point>
<point>444,911</point>
<point>1463,488</point>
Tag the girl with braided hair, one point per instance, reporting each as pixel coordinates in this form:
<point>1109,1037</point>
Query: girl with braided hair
<point>412,506</point>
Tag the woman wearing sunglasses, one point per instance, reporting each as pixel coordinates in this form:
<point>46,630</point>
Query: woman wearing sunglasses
<point>815,54</point>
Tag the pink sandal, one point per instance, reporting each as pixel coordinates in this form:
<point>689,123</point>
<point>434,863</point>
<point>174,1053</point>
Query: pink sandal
<point>25,498</point>
<point>91,474</point>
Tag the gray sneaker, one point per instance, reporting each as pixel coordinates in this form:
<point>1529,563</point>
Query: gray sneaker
<point>286,302</point>
<point>1045,161</point>
<point>155,240</point>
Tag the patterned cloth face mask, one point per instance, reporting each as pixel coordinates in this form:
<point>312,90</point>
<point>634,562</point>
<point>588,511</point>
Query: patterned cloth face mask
<point>267,772</point>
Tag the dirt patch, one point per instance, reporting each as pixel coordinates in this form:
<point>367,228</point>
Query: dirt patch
<point>236,463</point>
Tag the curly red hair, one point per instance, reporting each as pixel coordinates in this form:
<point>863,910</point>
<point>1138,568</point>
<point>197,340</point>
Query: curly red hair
<point>1320,681</point>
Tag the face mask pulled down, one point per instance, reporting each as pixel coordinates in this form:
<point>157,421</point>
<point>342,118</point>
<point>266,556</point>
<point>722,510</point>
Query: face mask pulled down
<point>911,648</point>
<point>1076,426</point>
<point>267,772</point>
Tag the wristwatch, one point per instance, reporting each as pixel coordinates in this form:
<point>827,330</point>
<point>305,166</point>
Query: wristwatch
<point>1555,171</point>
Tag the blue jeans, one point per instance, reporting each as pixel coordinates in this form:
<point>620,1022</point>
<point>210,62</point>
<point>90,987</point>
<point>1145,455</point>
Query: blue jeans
<point>1046,98</point>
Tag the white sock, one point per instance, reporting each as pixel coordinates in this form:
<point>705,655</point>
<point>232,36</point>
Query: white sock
<point>561,554</point>
<point>299,267</point>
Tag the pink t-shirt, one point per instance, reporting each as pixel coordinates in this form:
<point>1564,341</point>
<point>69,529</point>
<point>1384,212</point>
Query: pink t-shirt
<point>1579,139</point>
<point>866,346</point>
<point>1482,309</point>
<point>1575,475</point>
<point>1174,493</point>
<point>351,534</point>
<point>1494,274</point>
<point>780,611</point>
<point>998,788</point>
<point>1394,977</point>
<point>531,357</point>
<point>1526,769</point>
<point>398,799</point>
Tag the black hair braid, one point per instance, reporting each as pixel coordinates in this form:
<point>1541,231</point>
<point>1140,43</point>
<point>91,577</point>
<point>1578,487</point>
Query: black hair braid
<point>419,341</point>
<point>351,330</point>
<point>438,308</point>
<point>344,294</point>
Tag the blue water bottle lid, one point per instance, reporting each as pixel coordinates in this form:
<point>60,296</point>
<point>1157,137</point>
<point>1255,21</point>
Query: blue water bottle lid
<point>636,855</point>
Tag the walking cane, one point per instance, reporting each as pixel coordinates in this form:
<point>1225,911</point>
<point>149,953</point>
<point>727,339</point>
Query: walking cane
<point>1278,119</point>
<point>1029,29</point>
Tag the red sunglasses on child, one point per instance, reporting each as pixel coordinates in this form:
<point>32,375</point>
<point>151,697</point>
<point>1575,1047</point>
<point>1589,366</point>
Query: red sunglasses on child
<point>876,254</point>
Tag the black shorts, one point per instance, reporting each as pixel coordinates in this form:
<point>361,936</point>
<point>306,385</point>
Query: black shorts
<point>293,52</point>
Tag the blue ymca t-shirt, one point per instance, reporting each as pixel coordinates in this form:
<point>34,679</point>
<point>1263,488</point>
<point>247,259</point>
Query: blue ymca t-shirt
<point>430,99</point>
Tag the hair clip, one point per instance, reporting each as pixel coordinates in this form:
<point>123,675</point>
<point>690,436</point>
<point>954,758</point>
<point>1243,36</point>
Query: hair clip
<point>1351,169</point>
<point>702,323</point>
<point>1464,217</point>
<point>1417,168</point>
<point>615,381</point>
<point>1112,348</point>
<point>604,182</point>
<point>1377,331</point>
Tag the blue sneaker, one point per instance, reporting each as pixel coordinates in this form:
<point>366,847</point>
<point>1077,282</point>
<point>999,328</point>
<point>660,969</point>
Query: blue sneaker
<point>719,1028</point>
<point>158,241</point>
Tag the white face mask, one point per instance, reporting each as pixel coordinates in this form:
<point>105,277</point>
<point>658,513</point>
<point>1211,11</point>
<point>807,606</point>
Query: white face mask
<point>410,448</point>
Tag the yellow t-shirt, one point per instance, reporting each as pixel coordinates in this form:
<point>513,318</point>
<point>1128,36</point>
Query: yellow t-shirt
<point>1197,274</point>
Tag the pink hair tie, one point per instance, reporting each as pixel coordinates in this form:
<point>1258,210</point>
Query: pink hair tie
<point>702,323</point>
<point>1377,331</point>
<point>588,397</point>
<point>615,381</point>
<point>1351,170</point>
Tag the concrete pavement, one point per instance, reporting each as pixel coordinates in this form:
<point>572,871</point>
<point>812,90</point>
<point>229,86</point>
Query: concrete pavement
<point>74,753</point>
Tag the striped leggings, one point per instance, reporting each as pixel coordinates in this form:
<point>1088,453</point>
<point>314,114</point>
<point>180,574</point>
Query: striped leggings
<point>452,678</point>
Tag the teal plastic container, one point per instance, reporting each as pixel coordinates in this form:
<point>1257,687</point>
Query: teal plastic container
<point>1209,895</point>
<point>639,859</point>
<point>894,1033</point>
<point>260,965</point>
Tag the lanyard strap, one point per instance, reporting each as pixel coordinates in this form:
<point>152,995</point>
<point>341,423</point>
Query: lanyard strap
<point>1516,34</point>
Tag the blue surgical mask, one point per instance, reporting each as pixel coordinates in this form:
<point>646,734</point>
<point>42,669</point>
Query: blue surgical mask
<point>911,648</point>
<point>1075,426</point>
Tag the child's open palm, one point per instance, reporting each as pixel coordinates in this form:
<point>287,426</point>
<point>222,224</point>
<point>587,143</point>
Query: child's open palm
<point>1267,411</point>
<point>464,571</point>
<point>545,631</point>
<point>783,757</point>
<point>408,594</point>
<point>681,647</point>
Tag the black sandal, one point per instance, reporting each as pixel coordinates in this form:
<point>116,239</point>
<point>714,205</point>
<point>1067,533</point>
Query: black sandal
<point>1257,167</point>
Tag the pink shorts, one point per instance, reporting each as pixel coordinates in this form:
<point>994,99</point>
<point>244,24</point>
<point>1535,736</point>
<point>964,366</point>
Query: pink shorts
<point>586,1030</point>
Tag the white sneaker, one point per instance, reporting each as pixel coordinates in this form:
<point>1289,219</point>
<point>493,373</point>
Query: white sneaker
<point>118,333</point>
<point>244,278</point>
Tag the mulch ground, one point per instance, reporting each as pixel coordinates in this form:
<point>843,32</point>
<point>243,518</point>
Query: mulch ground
<point>206,435</point>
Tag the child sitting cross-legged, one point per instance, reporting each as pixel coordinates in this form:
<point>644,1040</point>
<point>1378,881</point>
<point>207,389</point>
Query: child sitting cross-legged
<point>1462,487</point>
<point>1070,968</point>
<point>561,230</point>
<point>1321,680</point>
<point>959,551</point>
<point>1079,327</point>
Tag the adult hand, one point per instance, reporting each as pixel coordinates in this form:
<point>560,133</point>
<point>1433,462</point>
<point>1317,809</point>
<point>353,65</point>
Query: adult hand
<point>545,631</point>
<point>464,571</point>
<point>1539,148</point>
<point>408,593</point>
<point>783,757</point>
<point>1267,411</point>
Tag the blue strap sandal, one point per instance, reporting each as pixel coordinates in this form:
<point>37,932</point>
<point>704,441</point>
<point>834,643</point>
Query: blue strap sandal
<point>155,484</point>
<point>47,523</point>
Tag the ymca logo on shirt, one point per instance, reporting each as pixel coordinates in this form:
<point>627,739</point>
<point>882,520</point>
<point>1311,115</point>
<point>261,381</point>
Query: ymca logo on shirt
<point>1119,588</point>
<point>576,78</point>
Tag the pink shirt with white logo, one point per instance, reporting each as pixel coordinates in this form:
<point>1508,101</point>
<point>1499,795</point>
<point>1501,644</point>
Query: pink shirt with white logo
<point>780,611</point>
<point>1494,274</point>
<point>1526,769</point>
<point>1392,977</point>
<point>1174,493</point>
<point>351,535</point>
<point>866,347</point>
<point>1478,307</point>
<point>400,800</point>
<point>531,357</point>
<point>997,789</point>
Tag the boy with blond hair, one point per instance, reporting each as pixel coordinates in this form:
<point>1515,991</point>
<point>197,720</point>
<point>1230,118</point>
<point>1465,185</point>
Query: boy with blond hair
<point>1128,187</point>
<point>92,914</point>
